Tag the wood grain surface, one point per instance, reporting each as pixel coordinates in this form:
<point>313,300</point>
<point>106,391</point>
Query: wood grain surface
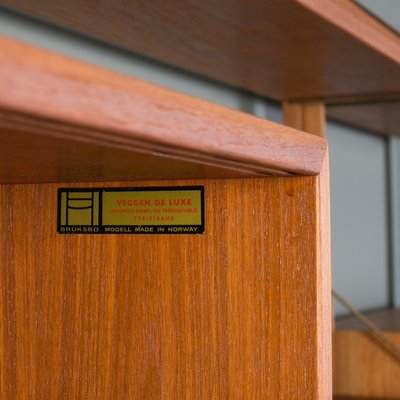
<point>310,117</point>
<point>362,367</point>
<point>33,155</point>
<point>307,117</point>
<point>44,96</point>
<point>235,313</point>
<point>287,49</point>
<point>324,282</point>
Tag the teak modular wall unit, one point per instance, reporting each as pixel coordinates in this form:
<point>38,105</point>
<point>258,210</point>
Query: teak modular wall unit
<point>242,311</point>
<point>239,312</point>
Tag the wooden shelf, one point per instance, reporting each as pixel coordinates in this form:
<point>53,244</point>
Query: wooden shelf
<point>381,117</point>
<point>386,319</point>
<point>362,366</point>
<point>63,120</point>
<point>286,50</point>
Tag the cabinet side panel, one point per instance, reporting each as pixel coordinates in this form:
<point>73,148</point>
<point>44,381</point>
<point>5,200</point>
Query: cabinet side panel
<point>228,314</point>
<point>8,334</point>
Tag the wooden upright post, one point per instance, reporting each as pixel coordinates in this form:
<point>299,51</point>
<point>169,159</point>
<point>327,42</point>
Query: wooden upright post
<point>307,117</point>
<point>310,117</point>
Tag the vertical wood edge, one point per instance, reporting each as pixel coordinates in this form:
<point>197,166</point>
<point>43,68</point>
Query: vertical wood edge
<point>292,115</point>
<point>323,295</point>
<point>308,117</point>
<point>314,118</point>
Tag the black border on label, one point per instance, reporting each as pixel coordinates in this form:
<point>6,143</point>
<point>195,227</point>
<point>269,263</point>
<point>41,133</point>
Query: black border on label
<point>129,229</point>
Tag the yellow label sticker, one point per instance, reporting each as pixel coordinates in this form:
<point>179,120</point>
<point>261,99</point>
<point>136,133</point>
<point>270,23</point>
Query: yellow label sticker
<point>162,210</point>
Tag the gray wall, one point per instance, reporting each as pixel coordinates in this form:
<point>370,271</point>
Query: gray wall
<point>389,12</point>
<point>394,181</point>
<point>362,235</point>
<point>386,10</point>
<point>359,212</point>
<point>365,202</point>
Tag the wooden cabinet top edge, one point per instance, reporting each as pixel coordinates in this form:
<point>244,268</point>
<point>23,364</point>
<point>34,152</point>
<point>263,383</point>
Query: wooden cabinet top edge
<point>48,88</point>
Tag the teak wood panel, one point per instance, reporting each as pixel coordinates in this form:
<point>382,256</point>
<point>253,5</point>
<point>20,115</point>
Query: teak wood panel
<point>234,313</point>
<point>287,49</point>
<point>60,102</point>
<point>308,117</point>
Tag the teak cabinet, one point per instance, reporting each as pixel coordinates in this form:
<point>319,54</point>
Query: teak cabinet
<point>241,311</point>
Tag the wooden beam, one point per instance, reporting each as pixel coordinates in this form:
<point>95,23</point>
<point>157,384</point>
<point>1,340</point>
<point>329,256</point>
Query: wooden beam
<point>285,49</point>
<point>308,117</point>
